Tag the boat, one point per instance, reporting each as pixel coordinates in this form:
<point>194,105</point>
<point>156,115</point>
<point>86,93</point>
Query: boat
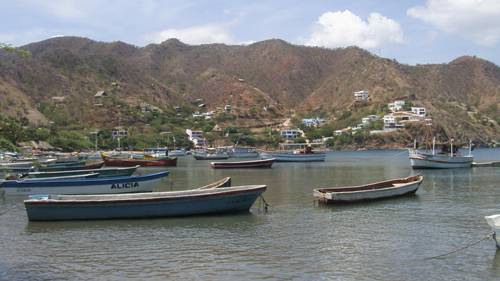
<point>143,205</point>
<point>486,164</point>
<point>210,154</point>
<point>261,163</point>
<point>56,178</point>
<point>21,167</point>
<point>71,166</point>
<point>103,172</point>
<point>243,152</point>
<point>304,153</point>
<point>177,152</point>
<point>130,162</point>
<point>494,222</point>
<point>143,183</point>
<point>444,159</point>
<point>379,190</point>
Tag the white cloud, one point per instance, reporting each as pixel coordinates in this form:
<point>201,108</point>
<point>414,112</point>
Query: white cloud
<point>343,28</point>
<point>65,9</point>
<point>202,34</point>
<point>478,20</point>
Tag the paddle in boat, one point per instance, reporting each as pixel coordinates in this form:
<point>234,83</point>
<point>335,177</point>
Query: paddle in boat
<point>494,222</point>
<point>261,163</point>
<point>143,205</point>
<point>143,183</point>
<point>379,190</point>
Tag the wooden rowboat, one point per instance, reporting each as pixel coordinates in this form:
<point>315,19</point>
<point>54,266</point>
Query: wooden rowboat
<point>263,163</point>
<point>143,205</point>
<point>225,182</point>
<point>103,172</point>
<point>379,190</point>
<point>143,183</point>
<point>81,165</point>
<point>162,162</point>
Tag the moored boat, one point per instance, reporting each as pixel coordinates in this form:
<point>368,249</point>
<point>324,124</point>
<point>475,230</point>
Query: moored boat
<point>243,152</point>
<point>143,183</point>
<point>103,172</point>
<point>379,190</point>
<point>210,154</point>
<point>446,158</point>
<point>494,222</point>
<point>143,205</point>
<point>225,182</point>
<point>261,163</point>
<point>304,153</point>
<point>71,166</point>
<point>120,162</point>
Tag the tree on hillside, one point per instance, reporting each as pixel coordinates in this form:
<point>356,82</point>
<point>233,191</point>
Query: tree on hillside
<point>8,48</point>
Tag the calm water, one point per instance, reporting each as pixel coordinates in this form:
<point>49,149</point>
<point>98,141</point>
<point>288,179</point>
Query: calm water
<point>296,240</point>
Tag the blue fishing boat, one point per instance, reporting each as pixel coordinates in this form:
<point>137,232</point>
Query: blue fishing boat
<point>143,205</point>
<point>143,183</point>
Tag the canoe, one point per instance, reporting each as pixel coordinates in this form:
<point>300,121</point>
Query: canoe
<point>296,157</point>
<point>143,205</point>
<point>143,183</point>
<point>262,163</point>
<point>379,190</point>
<point>225,182</point>
<point>162,162</point>
<point>494,222</point>
<point>103,172</point>
<point>59,178</point>
<point>419,160</point>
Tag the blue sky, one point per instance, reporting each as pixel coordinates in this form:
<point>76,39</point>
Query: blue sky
<point>414,31</point>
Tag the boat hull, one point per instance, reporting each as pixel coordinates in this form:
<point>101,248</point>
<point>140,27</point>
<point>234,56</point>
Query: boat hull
<point>290,157</point>
<point>165,162</point>
<point>90,186</point>
<point>223,202</point>
<point>210,157</point>
<point>368,194</point>
<point>104,172</point>
<point>440,163</point>
<point>494,222</point>
<point>266,163</point>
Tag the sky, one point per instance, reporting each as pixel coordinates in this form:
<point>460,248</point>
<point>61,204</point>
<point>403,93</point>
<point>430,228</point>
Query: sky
<point>410,31</point>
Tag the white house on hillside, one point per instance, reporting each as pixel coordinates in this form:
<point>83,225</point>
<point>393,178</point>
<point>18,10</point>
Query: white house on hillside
<point>291,133</point>
<point>420,111</point>
<point>361,95</point>
<point>396,105</point>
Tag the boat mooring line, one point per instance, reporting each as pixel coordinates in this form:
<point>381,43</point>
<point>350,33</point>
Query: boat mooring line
<point>264,202</point>
<point>489,236</point>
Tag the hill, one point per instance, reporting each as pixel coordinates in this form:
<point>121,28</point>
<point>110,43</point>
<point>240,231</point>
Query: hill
<point>264,82</point>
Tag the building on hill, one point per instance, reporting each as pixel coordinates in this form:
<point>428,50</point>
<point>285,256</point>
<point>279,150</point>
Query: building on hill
<point>397,105</point>
<point>400,118</point>
<point>420,111</point>
<point>361,96</point>
<point>313,122</point>
<point>196,137</point>
<point>291,133</point>
<point>368,119</point>
<point>101,94</point>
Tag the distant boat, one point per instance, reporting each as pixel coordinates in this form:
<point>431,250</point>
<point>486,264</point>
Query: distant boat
<point>261,163</point>
<point>210,154</point>
<point>103,172</point>
<point>379,190</point>
<point>243,152</point>
<point>305,153</point>
<point>130,162</point>
<point>444,159</point>
<point>83,186</point>
<point>494,222</point>
<point>143,205</point>
<point>177,152</point>
<point>70,166</point>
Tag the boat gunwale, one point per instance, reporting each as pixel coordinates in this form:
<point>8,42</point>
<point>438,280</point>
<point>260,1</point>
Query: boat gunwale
<point>257,161</point>
<point>215,192</point>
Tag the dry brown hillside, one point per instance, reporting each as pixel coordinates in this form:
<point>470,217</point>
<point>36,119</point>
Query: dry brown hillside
<point>463,95</point>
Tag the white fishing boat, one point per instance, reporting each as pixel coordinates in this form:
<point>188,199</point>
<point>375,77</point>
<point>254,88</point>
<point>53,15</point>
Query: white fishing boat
<point>443,159</point>
<point>494,222</point>
<point>177,152</point>
<point>304,153</point>
<point>379,190</point>
<point>243,152</point>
